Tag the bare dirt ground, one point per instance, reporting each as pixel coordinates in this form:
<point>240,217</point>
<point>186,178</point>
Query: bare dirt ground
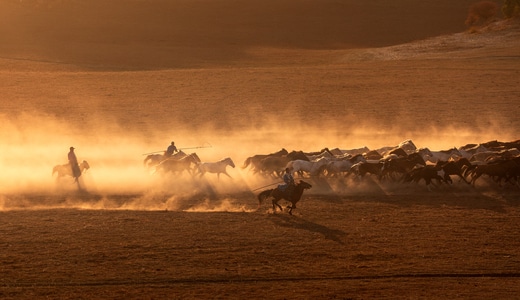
<point>134,235</point>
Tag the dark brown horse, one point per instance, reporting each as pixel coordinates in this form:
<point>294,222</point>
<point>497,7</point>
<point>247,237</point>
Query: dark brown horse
<point>254,161</point>
<point>278,194</point>
<point>177,166</point>
<point>153,160</point>
<point>275,165</point>
<point>454,167</point>
<point>395,168</point>
<point>507,169</point>
<point>360,169</point>
<point>428,173</point>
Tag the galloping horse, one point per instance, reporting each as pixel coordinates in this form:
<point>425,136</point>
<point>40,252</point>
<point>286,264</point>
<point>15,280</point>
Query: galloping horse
<point>65,169</point>
<point>274,166</point>
<point>254,161</point>
<point>178,165</point>
<point>454,167</point>
<point>278,194</point>
<point>343,166</point>
<point>216,167</point>
<point>311,167</point>
<point>155,159</point>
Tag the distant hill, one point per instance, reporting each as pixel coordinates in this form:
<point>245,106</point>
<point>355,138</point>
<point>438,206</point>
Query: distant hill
<point>184,33</point>
<point>499,39</point>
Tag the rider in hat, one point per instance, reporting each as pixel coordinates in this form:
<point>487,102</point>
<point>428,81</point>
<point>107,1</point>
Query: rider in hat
<point>73,162</point>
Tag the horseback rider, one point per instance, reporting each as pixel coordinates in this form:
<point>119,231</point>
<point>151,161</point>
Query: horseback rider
<point>73,162</point>
<point>288,187</point>
<point>170,150</point>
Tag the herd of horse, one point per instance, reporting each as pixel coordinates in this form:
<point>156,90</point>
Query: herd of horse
<point>500,161</point>
<point>405,163</point>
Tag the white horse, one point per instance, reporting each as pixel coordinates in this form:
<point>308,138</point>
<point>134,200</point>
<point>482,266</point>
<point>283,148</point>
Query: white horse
<point>312,167</point>
<point>444,155</point>
<point>336,167</point>
<point>468,152</point>
<point>408,146</point>
<point>216,167</point>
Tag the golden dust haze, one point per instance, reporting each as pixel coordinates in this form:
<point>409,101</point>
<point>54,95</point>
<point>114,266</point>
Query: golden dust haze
<point>232,79</point>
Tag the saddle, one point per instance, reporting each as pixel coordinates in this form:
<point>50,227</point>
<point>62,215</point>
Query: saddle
<point>286,188</point>
<point>282,187</point>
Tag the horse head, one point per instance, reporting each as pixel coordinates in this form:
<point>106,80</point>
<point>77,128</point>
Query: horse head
<point>195,158</point>
<point>304,185</point>
<point>84,165</point>
<point>230,162</point>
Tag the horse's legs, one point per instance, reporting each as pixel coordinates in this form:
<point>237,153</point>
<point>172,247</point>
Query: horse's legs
<point>275,203</point>
<point>293,206</point>
<point>476,175</point>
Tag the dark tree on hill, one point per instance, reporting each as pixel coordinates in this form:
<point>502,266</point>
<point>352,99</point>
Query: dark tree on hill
<point>511,8</point>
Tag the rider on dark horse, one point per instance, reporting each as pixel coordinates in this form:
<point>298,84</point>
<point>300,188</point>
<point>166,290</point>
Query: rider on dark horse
<point>170,150</point>
<point>288,187</point>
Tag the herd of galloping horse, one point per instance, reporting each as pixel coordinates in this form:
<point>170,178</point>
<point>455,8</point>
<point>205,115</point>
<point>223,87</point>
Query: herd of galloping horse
<point>498,161</point>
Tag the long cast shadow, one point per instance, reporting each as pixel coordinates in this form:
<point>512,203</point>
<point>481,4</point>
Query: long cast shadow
<point>284,220</point>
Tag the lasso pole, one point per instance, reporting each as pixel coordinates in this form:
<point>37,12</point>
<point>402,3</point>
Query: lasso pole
<point>184,148</point>
<point>267,185</point>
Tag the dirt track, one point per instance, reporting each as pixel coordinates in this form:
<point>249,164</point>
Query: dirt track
<point>453,243</point>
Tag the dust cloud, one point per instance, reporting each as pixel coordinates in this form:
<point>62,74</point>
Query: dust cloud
<point>33,143</point>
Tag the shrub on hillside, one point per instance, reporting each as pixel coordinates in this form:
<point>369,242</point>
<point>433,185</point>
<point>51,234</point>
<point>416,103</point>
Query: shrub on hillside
<point>511,8</point>
<point>481,13</point>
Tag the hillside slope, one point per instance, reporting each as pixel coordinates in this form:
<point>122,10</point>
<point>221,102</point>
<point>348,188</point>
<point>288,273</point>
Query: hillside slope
<point>150,34</point>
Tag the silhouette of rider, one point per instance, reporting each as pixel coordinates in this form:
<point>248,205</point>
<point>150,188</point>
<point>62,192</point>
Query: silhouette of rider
<point>170,150</point>
<point>73,162</point>
<point>289,183</point>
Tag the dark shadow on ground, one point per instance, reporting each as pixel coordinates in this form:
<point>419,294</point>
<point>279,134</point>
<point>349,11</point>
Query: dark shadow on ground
<point>485,195</point>
<point>285,220</point>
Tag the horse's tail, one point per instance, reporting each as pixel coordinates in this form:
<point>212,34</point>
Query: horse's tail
<point>146,160</point>
<point>54,170</point>
<point>264,195</point>
<point>246,163</point>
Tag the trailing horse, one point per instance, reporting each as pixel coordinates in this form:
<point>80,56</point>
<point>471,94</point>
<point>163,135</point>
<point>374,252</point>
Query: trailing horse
<point>178,166</point>
<point>278,194</point>
<point>153,160</point>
